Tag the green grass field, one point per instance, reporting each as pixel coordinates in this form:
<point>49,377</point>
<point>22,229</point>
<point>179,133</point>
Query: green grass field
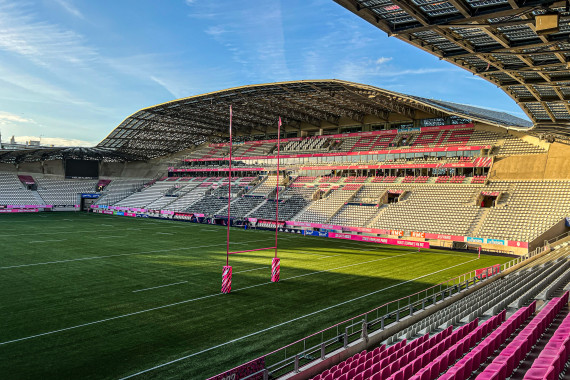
<point>95,297</point>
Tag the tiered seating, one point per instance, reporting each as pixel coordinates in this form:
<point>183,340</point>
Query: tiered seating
<point>119,189</point>
<point>329,179</point>
<point>360,179</point>
<point>265,188</point>
<point>459,137</point>
<point>320,211</point>
<point>350,179</point>
<point>422,179</point>
<point>503,365</point>
<point>242,206</point>
<point>147,196</point>
<point>442,179</point>
<point>479,179</point>
<point>464,367</point>
<point>13,192</point>
<point>353,215</point>
<point>63,191</point>
<point>527,209</point>
<point>457,179</point>
<point>555,354</point>
<point>426,139</point>
<point>26,179</point>
<point>397,361</point>
<point>311,144</point>
<point>208,206</point>
<point>409,179</point>
<point>351,186</point>
<point>364,143</point>
<point>301,179</point>
<point>187,197</point>
<point>437,208</point>
<point>419,370</point>
<point>515,146</point>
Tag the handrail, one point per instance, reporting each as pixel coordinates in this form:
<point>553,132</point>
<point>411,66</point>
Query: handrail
<point>346,329</point>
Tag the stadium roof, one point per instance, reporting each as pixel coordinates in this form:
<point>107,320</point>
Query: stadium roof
<point>183,123</point>
<point>64,153</point>
<point>494,39</point>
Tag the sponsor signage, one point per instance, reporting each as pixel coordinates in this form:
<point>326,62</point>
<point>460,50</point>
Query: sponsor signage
<point>217,170</point>
<point>316,233</point>
<point>405,243</point>
<point>491,193</point>
<point>418,234</point>
<point>396,232</point>
<point>372,133</point>
<point>360,153</point>
<point>90,196</point>
<point>469,239</point>
<point>243,371</point>
<point>13,210</point>
<point>495,241</point>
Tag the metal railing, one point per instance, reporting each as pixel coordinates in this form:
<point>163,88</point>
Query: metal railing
<point>555,239</point>
<point>293,356</point>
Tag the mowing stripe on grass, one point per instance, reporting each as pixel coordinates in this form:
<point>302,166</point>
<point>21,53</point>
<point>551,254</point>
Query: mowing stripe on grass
<point>122,254</point>
<point>161,286</point>
<point>286,322</point>
<point>75,232</point>
<point>46,241</point>
<point>187,301</point>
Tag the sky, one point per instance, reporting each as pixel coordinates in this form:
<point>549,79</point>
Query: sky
<point>72,70</point>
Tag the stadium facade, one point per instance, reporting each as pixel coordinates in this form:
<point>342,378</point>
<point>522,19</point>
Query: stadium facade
<point>355,159</point>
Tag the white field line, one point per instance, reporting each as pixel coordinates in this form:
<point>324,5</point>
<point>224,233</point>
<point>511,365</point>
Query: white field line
<point>304,253</point>
<point>112,236</point>
<point>250,270</point>
<point>324,257</point>
<point>124,254</point>
<point>183,302</point>
<point>74,232</point>
<point>164,233</point>
<point>184,282</point>
<point>46,241</point>
<point>161,286</point>
<point>286,322</point>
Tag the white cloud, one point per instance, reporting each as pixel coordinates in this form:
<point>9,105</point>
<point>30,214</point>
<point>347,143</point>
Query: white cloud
<point>46,45</point>
<point>71,8</point>
<point>215,31</point>
<point>56,141</point>
<point>9,118</point>
<point>190,2</point>
<point>382,60</point>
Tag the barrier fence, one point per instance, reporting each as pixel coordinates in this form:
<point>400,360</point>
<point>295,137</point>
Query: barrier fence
<point>316,346</point>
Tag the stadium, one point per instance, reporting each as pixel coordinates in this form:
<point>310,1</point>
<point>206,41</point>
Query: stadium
<point>310,229</point>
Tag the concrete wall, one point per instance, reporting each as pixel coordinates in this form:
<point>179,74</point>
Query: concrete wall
<point>558,229</point>
<point>552,165</point>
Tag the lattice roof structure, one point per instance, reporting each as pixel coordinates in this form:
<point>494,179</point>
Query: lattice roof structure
<point>64,153</point>
<point>494,39</point>
<point>184,123</point>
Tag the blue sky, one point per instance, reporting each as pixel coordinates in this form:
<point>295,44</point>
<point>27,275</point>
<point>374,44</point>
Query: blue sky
<point>71,70</point>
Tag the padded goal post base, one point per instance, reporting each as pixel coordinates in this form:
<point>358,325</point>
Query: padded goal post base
<point>227,279</point>
<point>275,269</point>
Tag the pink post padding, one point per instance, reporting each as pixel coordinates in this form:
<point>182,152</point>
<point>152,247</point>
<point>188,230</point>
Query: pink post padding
<point>277,185</point>
<point>229,194</point>
<point>275,269</point>
<point>227,279</point>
